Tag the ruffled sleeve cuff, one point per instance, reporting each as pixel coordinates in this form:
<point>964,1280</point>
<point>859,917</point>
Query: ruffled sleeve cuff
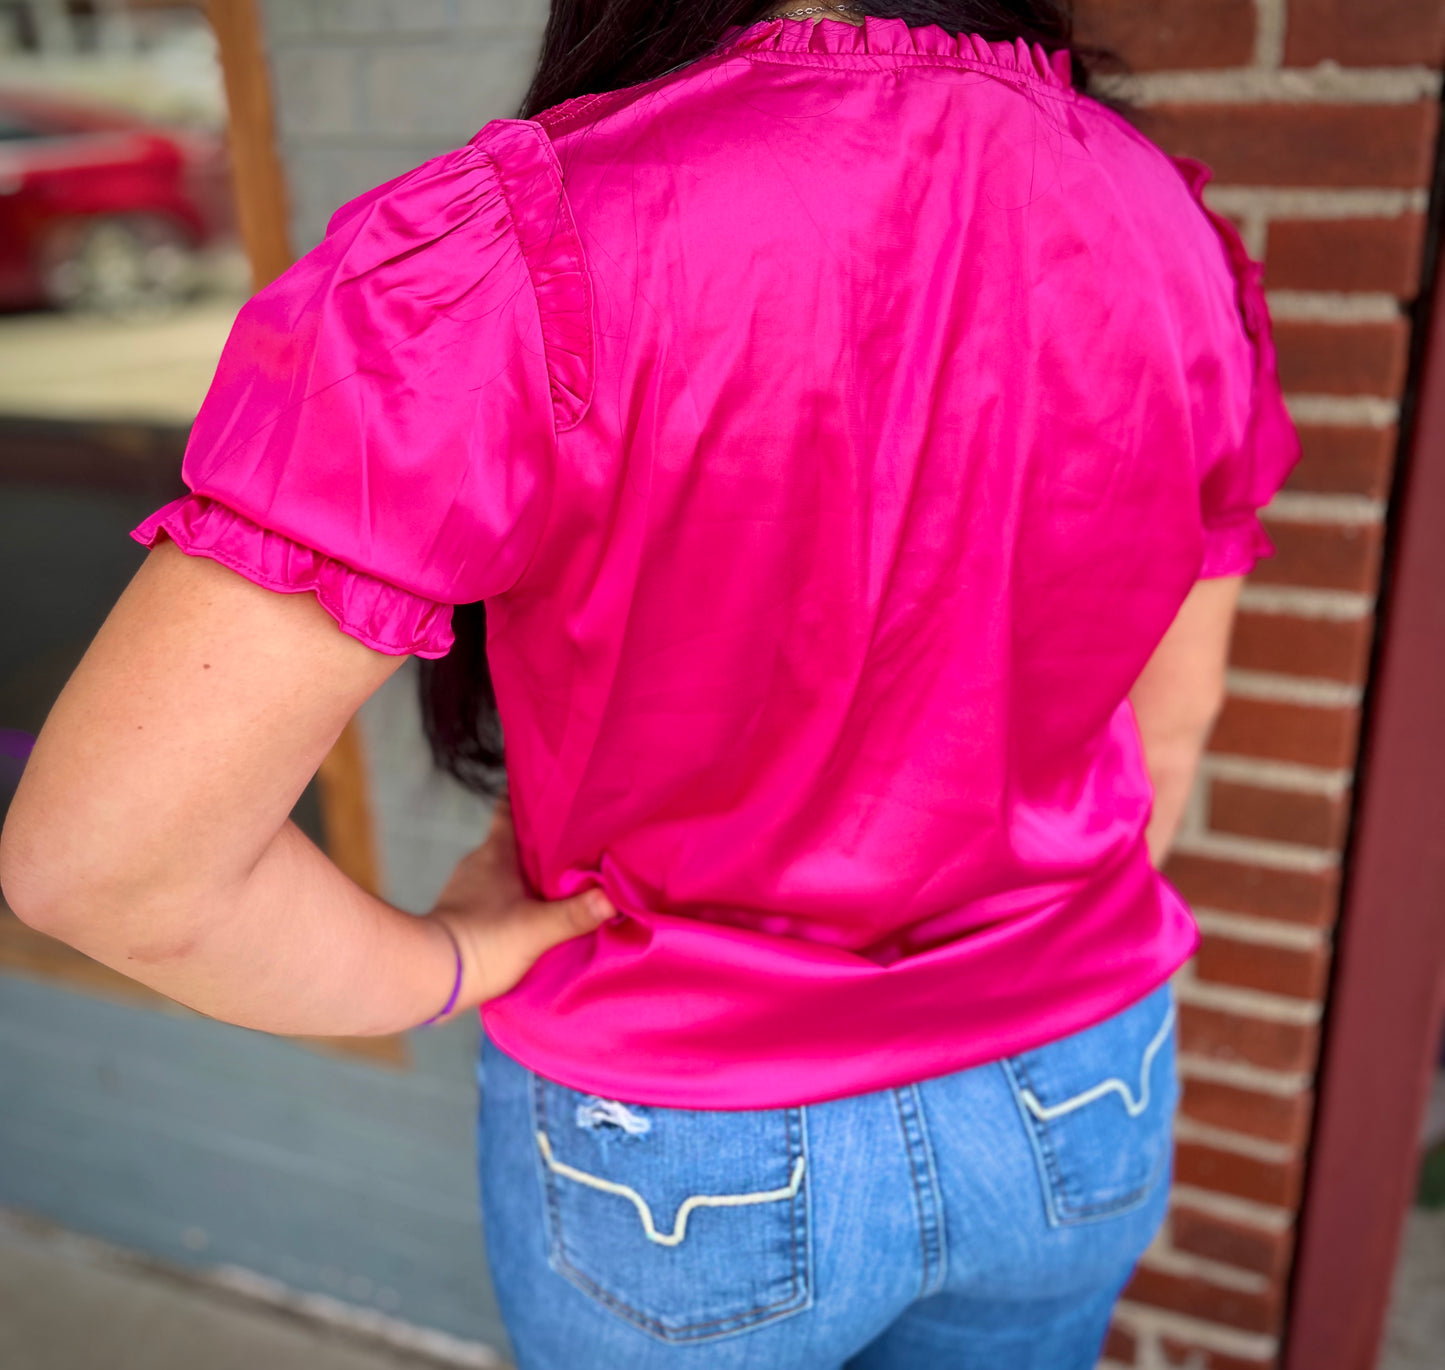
<point>1232,549</point>
<point>1249,477</point>
<point>383,616</point>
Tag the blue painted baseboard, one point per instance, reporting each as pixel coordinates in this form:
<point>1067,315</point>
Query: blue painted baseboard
<point>204,1144</point>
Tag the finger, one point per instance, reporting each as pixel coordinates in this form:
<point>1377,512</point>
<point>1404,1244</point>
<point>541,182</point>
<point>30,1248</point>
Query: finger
<point>541,926</point>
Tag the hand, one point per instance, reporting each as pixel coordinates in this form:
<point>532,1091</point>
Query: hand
<point>501,930</point>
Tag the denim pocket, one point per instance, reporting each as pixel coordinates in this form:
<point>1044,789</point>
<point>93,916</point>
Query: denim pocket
<point>689,1224</point>
<point>1099,1108</point>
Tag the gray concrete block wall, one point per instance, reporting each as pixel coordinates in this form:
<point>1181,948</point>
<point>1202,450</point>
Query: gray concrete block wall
<point>206,1145</point>
<point>367,89</point>
<point>425,821</point>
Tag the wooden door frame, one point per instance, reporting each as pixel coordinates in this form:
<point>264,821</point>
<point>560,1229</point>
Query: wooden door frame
<point>262,209</point>
<point>1385,1007</point>
<point>256,171</point>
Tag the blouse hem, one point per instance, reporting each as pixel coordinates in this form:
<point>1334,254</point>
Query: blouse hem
<point>813,1075</point>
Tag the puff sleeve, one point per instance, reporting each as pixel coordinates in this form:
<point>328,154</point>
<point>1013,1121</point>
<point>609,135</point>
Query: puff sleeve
<point>381,429</point>
<point>1254,444</point>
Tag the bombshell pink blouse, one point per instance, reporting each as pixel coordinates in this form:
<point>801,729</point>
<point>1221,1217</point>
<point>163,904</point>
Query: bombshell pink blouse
<point>832,426</point>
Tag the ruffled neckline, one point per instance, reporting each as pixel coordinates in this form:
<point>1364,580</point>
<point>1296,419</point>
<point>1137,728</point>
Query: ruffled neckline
<point>895,37</point>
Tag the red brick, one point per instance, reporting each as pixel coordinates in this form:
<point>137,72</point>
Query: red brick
<point>1230,1037</point>
<point>1197,1298</point>
<point>1265,1251</point>
<point>1327,556</point>
<point>1348,461</point>
<point>1121,1346</point>
<point>1343,358</point>
<point>1185,1356</point>
<point>1298,972</point>
<point>1347,254</point>
<point>1229,1172</point>
<point>1311,734</point>
<point>1379,34</point>
<point>1315,820</point>
<point>1160,34</point>
<point>1239,887</point>
<point>1271,1117</point>
<point>1321,648</point>
<point>1302,144</point>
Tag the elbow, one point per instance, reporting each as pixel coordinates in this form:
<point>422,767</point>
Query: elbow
<point>113,926</point>
<point>53,878</point>
<point>41,897</point>
<point>1173,746</point>
<point>1211,708</point>
<point>29,893</point>
<point>60,890</point>
<point>1201,704</point>
<point>1207,713</point>
<point>31,864</point>
<point>1186,726</point>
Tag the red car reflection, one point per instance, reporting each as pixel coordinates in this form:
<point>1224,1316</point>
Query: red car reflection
<point>100,209</point>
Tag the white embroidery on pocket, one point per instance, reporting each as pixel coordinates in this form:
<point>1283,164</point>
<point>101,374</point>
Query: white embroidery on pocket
<point>1113,1085</point>
<point>679,1230</point>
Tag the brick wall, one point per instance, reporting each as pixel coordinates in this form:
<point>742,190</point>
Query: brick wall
<point>1320,119</point>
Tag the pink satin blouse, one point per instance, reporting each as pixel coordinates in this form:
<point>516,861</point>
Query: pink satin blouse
<point>832,426</point>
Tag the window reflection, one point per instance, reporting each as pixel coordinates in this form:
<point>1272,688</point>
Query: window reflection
<point>120,273</point>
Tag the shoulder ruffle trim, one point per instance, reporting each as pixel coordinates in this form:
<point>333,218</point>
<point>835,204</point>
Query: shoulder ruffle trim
<point>1248,272</point>
<point>531,180</point>
<point>383,616</point>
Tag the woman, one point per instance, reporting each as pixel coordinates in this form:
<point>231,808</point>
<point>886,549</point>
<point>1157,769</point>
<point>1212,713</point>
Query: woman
<point>855,434</point>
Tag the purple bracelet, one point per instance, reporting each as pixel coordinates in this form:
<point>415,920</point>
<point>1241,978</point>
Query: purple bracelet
<point>451,1002</point>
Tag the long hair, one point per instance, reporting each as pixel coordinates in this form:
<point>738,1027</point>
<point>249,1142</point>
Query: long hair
<point>592,46</point>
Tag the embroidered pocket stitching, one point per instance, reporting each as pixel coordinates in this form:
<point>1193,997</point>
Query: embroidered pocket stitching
<point>799,1298</point>
<point>1045,1112</point>
<point>1060,1208</point>
<point>684,1212</point>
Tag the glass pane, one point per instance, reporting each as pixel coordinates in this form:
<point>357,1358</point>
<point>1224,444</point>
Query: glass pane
<point>120,273</point>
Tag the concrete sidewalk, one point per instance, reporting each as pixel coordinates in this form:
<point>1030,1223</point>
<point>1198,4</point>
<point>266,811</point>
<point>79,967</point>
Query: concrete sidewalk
<point>1415,1331</point>
<point>67,1303</point>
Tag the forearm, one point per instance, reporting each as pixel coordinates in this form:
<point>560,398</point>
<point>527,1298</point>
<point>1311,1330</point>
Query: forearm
<point>295,948</point>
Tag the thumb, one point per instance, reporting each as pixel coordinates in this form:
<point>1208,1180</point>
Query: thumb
<point>560,920</point>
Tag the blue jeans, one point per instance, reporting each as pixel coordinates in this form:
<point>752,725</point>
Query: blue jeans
<point>985,1220</point>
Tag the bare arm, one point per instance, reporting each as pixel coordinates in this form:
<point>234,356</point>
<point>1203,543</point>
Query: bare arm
<point>150,829</point>
<point>1177,699</point>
